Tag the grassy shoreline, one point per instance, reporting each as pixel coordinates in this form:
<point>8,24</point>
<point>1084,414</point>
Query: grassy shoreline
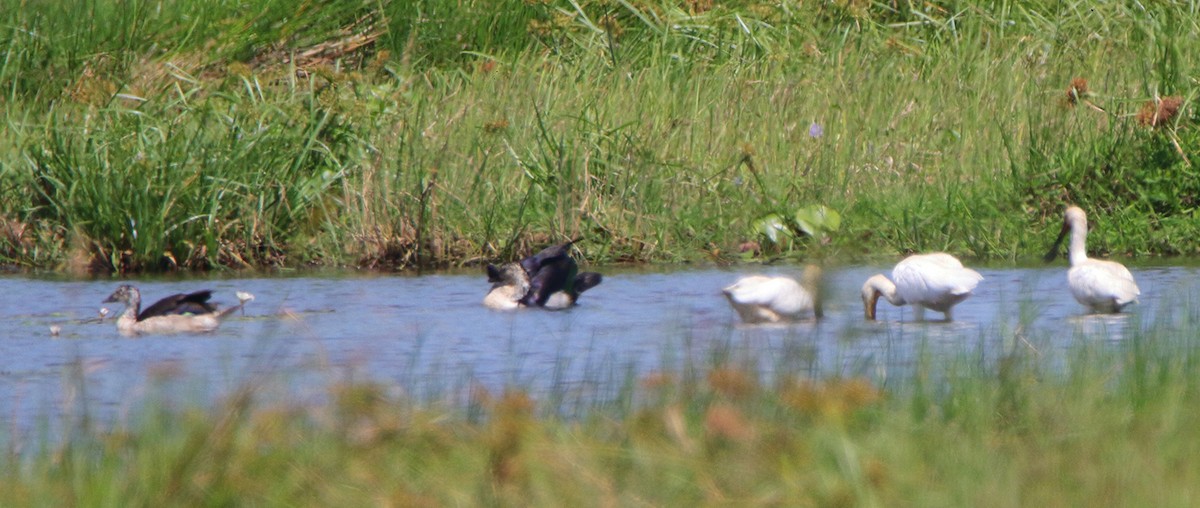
<point>189,135</point>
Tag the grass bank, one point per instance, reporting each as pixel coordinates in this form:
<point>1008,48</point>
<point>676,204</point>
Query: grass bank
<point>147,136</point>
<point>1105,423</point>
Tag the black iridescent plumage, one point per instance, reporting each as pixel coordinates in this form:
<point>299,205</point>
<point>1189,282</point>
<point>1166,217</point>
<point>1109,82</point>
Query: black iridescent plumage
<point>189,303</point>
<point>554,253</point>
<point>586,280</point>
<point>552,276</point>
<point>553,271</point>
<point>195,303</point>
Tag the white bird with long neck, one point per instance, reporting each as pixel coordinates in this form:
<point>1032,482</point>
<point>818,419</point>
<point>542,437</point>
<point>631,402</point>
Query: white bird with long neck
<point>763,299</point>
<point>1100,285</point>
<point>936,281</point>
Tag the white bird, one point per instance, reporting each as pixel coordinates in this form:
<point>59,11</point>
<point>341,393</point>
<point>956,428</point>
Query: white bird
<point>243,297</point>
<point>763,299</point>
<point>937,281</point>
<point>1100,285</point>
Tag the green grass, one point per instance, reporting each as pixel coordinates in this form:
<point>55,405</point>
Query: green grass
<point>1104,422</point>
<point>424,134</point>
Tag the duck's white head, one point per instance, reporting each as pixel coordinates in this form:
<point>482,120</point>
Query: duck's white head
<point>510,283</point>
<point>126,294</point>
<point>508,274</point>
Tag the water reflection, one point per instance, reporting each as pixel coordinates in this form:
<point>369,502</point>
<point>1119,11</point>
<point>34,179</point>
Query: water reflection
<point>429,336</point>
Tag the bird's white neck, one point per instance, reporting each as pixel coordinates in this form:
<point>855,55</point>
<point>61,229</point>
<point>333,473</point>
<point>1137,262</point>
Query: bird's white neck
<point>886,289</point>
<point>1078,248</point>
<point>875,287</point>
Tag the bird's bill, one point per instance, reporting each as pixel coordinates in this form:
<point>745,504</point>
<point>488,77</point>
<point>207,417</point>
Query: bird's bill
<point>115,297</point>
<point>814,282</point>
<point>869,304</point>
<point>1062,233</point>
<point>493,274</point>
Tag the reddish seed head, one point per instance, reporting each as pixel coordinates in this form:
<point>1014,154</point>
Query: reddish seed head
<point>723,421</point>
<point>1077,90</point>
<point>731,382</point>
<point>1159,112</point>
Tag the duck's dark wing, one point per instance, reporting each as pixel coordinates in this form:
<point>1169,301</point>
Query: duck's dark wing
<point>557,274</point>
<point>191,303</point>
<point>586,280</point>
<point>552,254</point>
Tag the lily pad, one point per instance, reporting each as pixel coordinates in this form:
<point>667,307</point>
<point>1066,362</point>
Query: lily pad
<point>773,227</point>
<point>817,219</point>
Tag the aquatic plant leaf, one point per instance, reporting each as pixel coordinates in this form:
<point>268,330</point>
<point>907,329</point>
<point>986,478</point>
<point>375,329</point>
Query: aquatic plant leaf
<point>816,219</point>
<point>772,226</point>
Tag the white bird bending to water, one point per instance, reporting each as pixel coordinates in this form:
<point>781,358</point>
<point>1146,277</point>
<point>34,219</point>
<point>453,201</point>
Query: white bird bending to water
<point>1100,285</point>
<point>936,281</point>
<point>762,299</point>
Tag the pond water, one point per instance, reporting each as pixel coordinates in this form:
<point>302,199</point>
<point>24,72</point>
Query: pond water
<point>428,336</point>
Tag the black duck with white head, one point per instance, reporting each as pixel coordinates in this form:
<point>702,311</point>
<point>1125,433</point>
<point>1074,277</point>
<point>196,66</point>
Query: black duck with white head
<point>189,313</point>
<point>549,279</point>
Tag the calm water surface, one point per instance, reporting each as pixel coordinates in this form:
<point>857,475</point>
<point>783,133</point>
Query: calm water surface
<point>428,336</point>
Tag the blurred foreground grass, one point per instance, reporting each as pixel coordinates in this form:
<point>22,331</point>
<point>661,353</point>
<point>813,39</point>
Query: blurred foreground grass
<point>1112,425</point>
